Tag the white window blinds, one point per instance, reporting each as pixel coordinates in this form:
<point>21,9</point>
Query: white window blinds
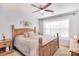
<point>53,27</point>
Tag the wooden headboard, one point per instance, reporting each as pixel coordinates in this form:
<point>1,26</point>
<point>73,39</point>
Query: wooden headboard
<point>18,31</point>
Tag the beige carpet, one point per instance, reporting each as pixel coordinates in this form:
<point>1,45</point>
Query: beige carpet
<point>62,51</point>
<point>64,48</point>
<point>14,53</point>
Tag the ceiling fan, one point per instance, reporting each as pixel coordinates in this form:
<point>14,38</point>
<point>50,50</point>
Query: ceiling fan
<point>42,8</point>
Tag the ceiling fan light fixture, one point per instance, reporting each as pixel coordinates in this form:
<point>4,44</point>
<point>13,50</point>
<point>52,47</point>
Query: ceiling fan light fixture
<point>42,11</point>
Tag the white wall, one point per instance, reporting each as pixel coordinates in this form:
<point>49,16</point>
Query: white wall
<point>10,15</point>
<point>74,25</point>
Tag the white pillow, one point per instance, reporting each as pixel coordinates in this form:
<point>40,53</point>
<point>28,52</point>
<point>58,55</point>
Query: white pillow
<point>32,34</point>
<point>26,34</point>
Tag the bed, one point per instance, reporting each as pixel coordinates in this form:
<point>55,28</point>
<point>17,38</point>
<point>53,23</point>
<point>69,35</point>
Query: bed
<point>37,45</point>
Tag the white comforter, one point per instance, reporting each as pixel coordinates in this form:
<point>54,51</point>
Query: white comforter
<point>29,46</point>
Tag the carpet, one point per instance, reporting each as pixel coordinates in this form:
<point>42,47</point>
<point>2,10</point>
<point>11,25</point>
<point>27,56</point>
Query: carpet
<point>62,51</point>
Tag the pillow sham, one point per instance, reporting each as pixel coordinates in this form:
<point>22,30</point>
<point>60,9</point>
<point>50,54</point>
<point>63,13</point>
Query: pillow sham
<point>26,34</point>
<point>32,34</point>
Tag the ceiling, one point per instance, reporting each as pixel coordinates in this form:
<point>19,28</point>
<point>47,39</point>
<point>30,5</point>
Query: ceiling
<point>26,8</point>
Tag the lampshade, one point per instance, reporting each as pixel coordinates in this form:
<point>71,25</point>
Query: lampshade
<point>3,34</point>
<point>75,36</point>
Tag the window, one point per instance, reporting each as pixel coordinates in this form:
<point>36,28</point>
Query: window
<point>53,27</point>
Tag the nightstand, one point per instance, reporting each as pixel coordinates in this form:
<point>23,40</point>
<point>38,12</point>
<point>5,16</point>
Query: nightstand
<point>74,47</point>
<point>5,47</point>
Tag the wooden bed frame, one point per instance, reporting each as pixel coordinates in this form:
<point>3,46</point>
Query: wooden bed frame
<point>44,50</point>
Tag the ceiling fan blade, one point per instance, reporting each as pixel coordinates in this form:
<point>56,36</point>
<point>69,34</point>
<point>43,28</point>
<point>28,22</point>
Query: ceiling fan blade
<point>36,11</point>
<point>35,6</point>
<point>49,10</point>
<point>48,4</point>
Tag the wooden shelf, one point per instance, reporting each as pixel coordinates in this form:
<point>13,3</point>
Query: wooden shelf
<point>1,46</point>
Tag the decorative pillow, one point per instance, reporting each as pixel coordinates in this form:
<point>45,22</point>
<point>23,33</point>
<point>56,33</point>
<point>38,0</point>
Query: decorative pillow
<point>32,34</point>
<point>26,34</point>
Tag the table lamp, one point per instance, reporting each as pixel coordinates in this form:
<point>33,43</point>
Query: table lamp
<point>3,34</point>
<point>77,38</point>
